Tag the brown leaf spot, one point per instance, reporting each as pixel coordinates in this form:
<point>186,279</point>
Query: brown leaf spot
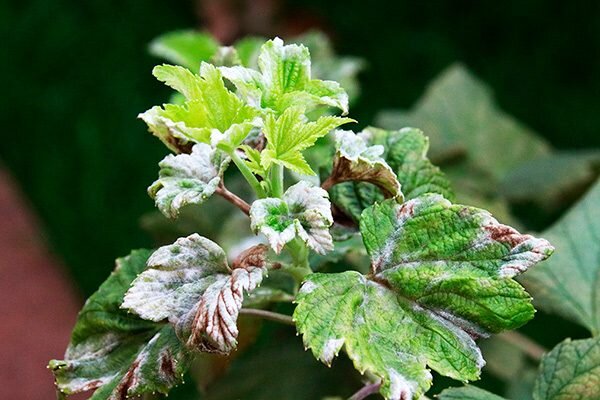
<point>254,256</point>
<point>505,234</point>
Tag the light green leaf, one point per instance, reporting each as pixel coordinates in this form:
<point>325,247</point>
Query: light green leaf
<point>304,211</point>
<point>568,283</point>
<point>253,161</point>
<point>188,178</point>
<point>552,180</point>
<point>405,151</point>
<point>326,65</point>
<point>187,48</point>
<point>116,353</point>
<point>210,114</point>
<point>570,371</point>
<point>441,275</point>
<point>190,284</point>
<point>467,393</point>
<point>290,133</point>
<point>460,117</point>
<point>355,160</point>
<point>284,80</point>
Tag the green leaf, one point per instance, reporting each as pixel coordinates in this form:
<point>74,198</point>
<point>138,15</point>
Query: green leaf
<point>570,371</point>
<point>210,114</point>
<point>467,393</point>
<point>405,152</point>
<point>290,133</point>
<point>459,115</point>
<point>356,161</point>
<point>188,178</point>
<point>441,275</point>
<point>568,283</point>
<point>116,353</point>
<point>552,180</point>
<point>284,80</point>
<point>327,65</point>
<point>187,48</point>
<point>304,211</point>
<point>190,284</point>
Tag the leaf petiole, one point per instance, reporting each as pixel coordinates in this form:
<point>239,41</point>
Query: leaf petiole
<point>254,183</point>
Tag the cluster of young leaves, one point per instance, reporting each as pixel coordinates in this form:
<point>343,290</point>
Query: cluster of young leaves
<point>440,275</point>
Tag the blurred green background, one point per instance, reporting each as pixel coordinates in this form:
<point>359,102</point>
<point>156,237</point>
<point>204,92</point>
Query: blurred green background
<point>76,74</point>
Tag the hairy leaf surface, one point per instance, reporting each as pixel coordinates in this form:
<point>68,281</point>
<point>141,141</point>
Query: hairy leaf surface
<point>571,371</point>
<point>116,353</point>
<point>190,284</point>
<point>188,178</point>
<point>441,275</point>
<point>569,283</point>
<point>405,151</point>
<point>304,212</point>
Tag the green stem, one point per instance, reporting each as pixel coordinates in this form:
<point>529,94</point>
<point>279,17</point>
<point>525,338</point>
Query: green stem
<point>299,253</point>
<point>277,180</point>
<point>270,315</point>
<point>248,175</point>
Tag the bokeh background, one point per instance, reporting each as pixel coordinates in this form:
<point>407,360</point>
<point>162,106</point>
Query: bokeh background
<point>76,162</point>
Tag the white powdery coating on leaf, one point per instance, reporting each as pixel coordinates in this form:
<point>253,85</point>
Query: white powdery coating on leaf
<point>305,211</point>
<point>187,179</point>
<point>330,349</point>
<point>175,275</point>
<point>353,147</point>
<point>219,308</point>
<point>307,287</point>
<point>400,388</point>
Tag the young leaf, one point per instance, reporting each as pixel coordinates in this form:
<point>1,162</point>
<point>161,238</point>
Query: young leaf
<point>440,277</point>
<point>405,151</point>
<point>356,161</point>
<point>116,353</point>
<point>568,283</point>
<point>290,133</point>
<point>188,178</point>
<point>190,284</point>
<point>570,371</point>
<point>210,114</point>
<point>186,48</point>
<point>284,80</point>
<point>467,393</point>
<point>303,212</point>
<point>460,116</point>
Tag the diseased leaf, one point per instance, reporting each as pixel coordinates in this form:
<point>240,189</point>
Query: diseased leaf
<point>460,117</point>
<point>210,114</point>
<point>304,211</point>
<point>568,283</point>
<point>356,161</point>
<point>290,133</point>
<point>467,393</point>
<point>190,284</point>
<point>187,48</point>
<point>188,178</point>
<point>284,80</point>
<point>405,152</point>
<point>116,353</point>
<point>441,275</point>
<point>570,371</point>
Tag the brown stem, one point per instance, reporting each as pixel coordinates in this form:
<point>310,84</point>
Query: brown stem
<point>366,391</point>
<point>233,199</point>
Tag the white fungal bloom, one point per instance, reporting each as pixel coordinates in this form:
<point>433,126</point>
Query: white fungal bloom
<point>303,212</point>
